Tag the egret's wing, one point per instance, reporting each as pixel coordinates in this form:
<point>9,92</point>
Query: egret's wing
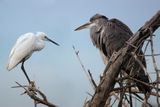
<point>19,41</point>
<point>18,51</point>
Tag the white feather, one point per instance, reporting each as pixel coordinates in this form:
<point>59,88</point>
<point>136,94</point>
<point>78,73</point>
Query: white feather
<point>22,49</point>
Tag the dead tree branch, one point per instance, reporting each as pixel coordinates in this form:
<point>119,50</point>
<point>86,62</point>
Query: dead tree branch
<point>32,93</point>
<point>89,75</point>
<point>155,65</point>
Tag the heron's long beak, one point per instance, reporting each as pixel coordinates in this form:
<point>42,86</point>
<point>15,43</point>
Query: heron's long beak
<point>83,26</point>
<point>52,41</point>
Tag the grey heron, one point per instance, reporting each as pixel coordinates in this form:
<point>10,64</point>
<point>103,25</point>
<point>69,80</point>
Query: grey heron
<point>110,35</point>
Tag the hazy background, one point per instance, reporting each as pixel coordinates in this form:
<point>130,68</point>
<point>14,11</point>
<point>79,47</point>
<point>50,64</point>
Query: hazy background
<point>56,70</point>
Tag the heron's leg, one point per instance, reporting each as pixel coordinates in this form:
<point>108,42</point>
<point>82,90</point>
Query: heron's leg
<point>22,67</point>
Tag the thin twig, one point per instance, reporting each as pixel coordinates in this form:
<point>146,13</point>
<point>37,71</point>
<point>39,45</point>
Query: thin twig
<point>91,78</point>
<point>115,95</point>
<point>113,102</point>
<point>85,103</point>
<point>130,97</point>
<point>19,86</point>
<point>126,98</point>
<point>150,55</point>
<point>155,65</point>
<point>147,84</point>
<point>89,94</point>
<point>139,62</point>
<point>94,86</point>
<point>121,98</point>
<point>137,91</point>
<point>108,102</point>
<point>145,49</point>
<point>35,103</point>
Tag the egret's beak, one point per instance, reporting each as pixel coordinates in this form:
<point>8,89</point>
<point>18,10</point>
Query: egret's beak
<point>52,41</point>
<point>83,26</point>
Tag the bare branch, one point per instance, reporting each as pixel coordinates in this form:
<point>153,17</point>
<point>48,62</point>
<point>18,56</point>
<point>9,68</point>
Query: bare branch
<point>88,74</point>
<point>150,55</point>
<point>155,65</point>
<point>85,103</point>
<point>116,96</point>
<point>140,63</point>
<point>31,93</point>
<point>91,78</point>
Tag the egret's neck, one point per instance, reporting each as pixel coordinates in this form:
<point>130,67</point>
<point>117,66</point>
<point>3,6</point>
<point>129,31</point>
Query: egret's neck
<point>39,44</point>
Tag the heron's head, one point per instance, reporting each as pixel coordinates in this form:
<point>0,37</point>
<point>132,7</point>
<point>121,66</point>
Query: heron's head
<point>43,36</point>
<point>94,21</point>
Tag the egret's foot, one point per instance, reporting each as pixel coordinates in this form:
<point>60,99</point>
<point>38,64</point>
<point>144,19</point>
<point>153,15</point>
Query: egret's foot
<point>31,87</point>
<point>32,84</point>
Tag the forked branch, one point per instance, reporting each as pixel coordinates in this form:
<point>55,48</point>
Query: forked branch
<point>33,93</point>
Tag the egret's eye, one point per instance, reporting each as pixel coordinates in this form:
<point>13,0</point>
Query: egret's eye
<point>45,37</point>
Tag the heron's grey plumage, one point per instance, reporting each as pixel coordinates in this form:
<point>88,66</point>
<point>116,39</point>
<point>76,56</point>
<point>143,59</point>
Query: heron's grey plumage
<point>110,35</point>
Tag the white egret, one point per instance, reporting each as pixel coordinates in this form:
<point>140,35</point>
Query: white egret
<point>26,44</point>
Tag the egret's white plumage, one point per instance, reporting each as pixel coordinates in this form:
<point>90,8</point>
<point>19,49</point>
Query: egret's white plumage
<point>25,46</point>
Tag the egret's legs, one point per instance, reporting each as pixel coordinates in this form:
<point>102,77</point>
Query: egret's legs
<point>22,67</point>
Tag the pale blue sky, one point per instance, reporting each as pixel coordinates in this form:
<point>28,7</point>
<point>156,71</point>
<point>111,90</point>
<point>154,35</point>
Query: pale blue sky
<point>56,70</point>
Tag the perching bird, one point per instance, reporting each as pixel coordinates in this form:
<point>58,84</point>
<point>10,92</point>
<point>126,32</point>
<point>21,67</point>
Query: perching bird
<point>24,47</point>
<point>110,35</point>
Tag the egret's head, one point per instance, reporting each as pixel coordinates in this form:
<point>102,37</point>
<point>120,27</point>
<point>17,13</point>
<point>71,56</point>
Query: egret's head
<point>94,21</point>
<point>44,37</point>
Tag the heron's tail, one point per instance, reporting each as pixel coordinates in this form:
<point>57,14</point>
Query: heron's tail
<point>139,72</point>
<point>144,78</point>
<point>141,80</point>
